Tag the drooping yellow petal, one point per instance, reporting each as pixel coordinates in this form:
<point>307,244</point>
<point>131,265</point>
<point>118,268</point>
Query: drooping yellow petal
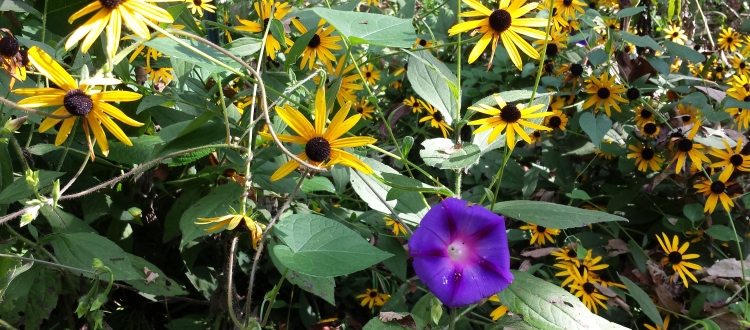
<point>96,129</point>
<point>95,26</point>
<point>349,142</point>
<point>114,129</point>
<point>116,113</point>
<point>480,47</point>
<point>320,111</point>
<point>65,128</point>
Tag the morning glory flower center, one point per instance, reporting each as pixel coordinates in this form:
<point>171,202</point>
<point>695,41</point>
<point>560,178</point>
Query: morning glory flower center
<point>459,251</point>
<point>500,20</point>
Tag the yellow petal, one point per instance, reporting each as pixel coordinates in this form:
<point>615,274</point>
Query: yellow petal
<point>47,66</point>
<point>116,96</point>
<point>114,129</point>
<point>96,129</point>
<point>64,131</point>
<point>90,8</point>
<point>116,113</point>
<point>320,111</point>
<point>296,121</point>
<point>356,141</point>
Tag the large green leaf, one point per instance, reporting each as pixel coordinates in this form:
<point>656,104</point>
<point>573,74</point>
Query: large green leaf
<point>178,51</point>
<point>215,204</point>
<point>444,154</point>
<point>643,300</point>
<point>372,29</point>
<point>318,246</point>
<point>434,83</point>
<point>596,127</point>
<point>79,250</point>
<point>552,215</point>
<point>161,286</point>
<point>544,305</point>
<point>685,53</point>
<point>32,296</point>
<point>320,286</point>
<point>408,205</point>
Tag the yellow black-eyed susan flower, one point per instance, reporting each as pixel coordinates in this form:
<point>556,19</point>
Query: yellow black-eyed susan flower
<point>320,46</point>
<point>364,108</point>
<point>688,114</point>
<point>423,43</point>
<point>557,42</point>
<point>604,93</point>
<point>78,100</point>
<point>349,80</point>
<point>510,116</point>
<point>642,115</point>
<point>373,297</point>
<point>739,92</point>
<point>590,296</point>
<point>159,74</point>
<point>416,106</point>
<point>504,23</point>
<point>740,65</point>
<point>536,137</point>
<point>730,159</point>
<point>264,9</point>
<point>371,75</point>
<point>676,257</point>
<point>435,117</point>
<point>11,57</point>
<point>729,40</point>
<point>582,271</point>
<point>232,221</point>
<point>558,119</point>
<point>568,253</point>
<point>675,34</point>
<point>198,6</point>
<point>398,228</point>
<point>686,148</point>
<point>110,15</point>
<point>540,234</point>
<point>569,9</point>
<point>401,70</point>
<point>645,157</point>
<point>606,281</point>
<point>322,145</point>
<point>715,192</point>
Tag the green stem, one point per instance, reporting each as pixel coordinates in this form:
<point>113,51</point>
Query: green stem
<point>273,297</point>
<point>739,250</point>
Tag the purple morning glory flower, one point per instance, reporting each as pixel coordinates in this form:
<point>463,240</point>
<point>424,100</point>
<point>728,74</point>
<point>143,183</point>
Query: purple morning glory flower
<point>461,253</point>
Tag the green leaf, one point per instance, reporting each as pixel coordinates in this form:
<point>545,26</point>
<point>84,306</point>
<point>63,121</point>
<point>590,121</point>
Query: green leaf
<point>299,46</point>
<point>722,233</point>
<point>409,322</point>
<point>434,83</point>
<point>595,127</point>
<point>630,11</point>
<point>443,154</point>
<point>598,57</point>
<point>162,286</point>
<point>552,215</point>
<point>322,287</point>
<point>544,305</point>
<point>19,189</point>
<point>397,263</point>
<point>318,183</point>
<point>319,246</point>
<point>639,257</point>
<point>6,171</point>
<point>32,296</point>
<point>640,41</point>
<point>19,6</point>
<point>578,194</point>
<point>277,31</point>
<point>685,53</point>
<point>370,29</point>
<point>643,300</point>
<point>407,10</point>
<point>178,51</point>
<point>79,250</point>
<point>139,153</point>
<point>409,206</point>
<point>245,46</point>
<point>215,204</point>
<point>406,183</point>
<point>694,212</point>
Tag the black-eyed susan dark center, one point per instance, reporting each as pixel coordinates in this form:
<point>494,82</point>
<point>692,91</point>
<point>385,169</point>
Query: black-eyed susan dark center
<point>645,114</point>
<point>627,49</point>
<point>572,254</point>
<point>265,23</point>
<point>368,74</point>
<point>719,68</point>
<point>675,34</point>
<point>373,294</point>
<point>675,257</point>
<point>500,20</point>
<point>567,2</point>
<point>589,288</point>
<point>747,98</point>
<point>592,5</point>
<point>603,93</point>
<point>510,114</point>
<point>111,4</point>
<point>536,134</point>
<point>550,67</point>
<point>730,40</point>
<point>685,145</point>
<point>437,116</point>
<point>318,149</point>
<point>736,160</point>
<point>743,65</point>
<point>555,122</point>
<point>649,128</point>
<point>24,56</point>
<point>552,50</point>
<point>77,102</point>
<point>582,269</point>
<point>422,42</point>
<point>541,229</point>
<point>576,69</point>
<point>314,42</point>
<point>647,154</point>
<point>197,2</point>
<point>717,187</point>
<point>633,93</point>
<point>360,110</point>
<point>9,46</point>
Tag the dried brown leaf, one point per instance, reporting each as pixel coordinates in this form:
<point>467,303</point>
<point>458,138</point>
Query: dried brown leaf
<point>616,247</point>
<point>538,253</point>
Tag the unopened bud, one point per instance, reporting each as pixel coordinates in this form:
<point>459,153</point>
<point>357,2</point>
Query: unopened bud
<point>55,193</point>
<point>32,178</point>
<point>13,124</point>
